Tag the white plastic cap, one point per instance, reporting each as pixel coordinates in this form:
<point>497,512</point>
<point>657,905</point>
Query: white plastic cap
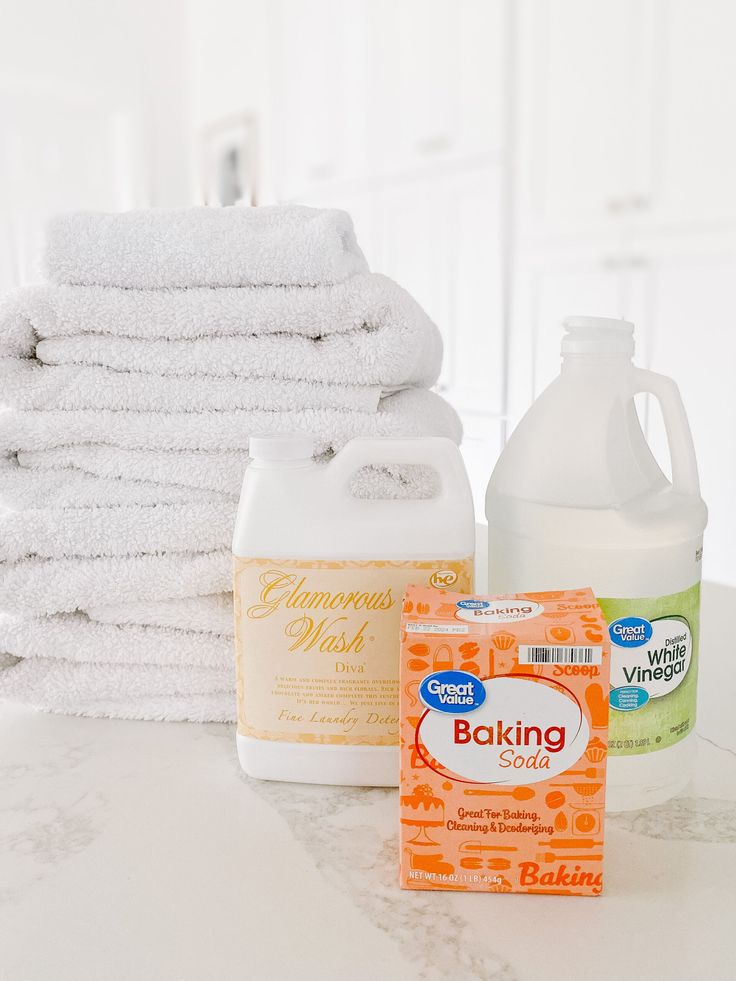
<point>281,447</point>
<point>597,335</point>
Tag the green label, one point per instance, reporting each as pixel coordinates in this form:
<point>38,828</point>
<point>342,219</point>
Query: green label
<point>654,670</point>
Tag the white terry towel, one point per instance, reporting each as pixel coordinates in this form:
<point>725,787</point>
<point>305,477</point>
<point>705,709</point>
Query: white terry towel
<point>198,614</point>
<point>183,470</point>
<point>23,488</point>
<point>26,384</point>
<point>76,637</point>
<point>57,533</point>
<point>130,691</point>
<point>38,587</point>
<point>414,412</point>
<point>381,358</point>
<point>154,249</point>
<point>370,302</point>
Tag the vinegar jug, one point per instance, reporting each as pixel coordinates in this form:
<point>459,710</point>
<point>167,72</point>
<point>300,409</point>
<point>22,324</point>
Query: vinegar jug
<point>578,499</point>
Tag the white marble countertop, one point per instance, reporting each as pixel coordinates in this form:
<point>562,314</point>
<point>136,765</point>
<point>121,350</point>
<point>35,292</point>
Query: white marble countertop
<point>139,852</point>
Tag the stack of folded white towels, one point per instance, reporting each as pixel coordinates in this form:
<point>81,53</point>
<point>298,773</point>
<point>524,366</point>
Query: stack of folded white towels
<point>130,383</point>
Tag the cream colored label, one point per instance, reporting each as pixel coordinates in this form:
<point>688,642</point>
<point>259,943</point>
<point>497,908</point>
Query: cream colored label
<point>317,645</point>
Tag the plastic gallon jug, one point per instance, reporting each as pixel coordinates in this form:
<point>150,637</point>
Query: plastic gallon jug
<point>319,576</point>
<point>577,499</point>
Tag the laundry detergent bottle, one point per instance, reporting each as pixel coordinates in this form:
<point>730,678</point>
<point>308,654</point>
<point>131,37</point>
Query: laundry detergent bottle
<point>320,570</point>
<point>578,499</point>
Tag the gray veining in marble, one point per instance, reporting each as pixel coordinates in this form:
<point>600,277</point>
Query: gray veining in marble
<point>683,819</point>
<point>40,834</point>
<point>335,825</point>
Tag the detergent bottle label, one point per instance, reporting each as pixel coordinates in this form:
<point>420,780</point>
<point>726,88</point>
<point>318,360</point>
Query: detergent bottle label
<point>654,668</point>
<point>317,645</point>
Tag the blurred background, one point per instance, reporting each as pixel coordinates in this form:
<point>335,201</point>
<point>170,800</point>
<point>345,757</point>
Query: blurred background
<point>508,161</point>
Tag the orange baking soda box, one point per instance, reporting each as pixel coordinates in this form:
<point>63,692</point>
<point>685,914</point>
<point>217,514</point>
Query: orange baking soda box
<point>504,719</point>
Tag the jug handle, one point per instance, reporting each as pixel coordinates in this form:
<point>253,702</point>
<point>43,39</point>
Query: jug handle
<point>679,438</point>
<point>437,452</point>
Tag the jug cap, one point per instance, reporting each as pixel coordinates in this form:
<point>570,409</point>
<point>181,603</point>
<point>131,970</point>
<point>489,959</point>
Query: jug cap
<point>281,447</point>
<point>597,335</point>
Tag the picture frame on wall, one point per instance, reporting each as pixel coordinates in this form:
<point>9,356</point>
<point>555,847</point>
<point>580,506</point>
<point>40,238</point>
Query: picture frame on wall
<point>229,161</point>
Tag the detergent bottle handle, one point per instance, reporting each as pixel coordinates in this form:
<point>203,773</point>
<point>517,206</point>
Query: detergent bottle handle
<point>679,438</point>
<point>437,452</point>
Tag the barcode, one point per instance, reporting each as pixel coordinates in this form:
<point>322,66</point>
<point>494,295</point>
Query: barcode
<point>559,655</point>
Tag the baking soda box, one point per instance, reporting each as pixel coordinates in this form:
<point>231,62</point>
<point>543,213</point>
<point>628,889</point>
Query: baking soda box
<point>504,721</point>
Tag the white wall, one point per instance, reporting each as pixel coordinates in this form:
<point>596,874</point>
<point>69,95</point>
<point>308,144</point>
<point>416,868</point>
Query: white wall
<point>93,107</point>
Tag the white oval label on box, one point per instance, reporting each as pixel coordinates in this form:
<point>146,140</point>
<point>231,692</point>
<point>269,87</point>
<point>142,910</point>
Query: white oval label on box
<point>499,611</point>
<point>525,731</point>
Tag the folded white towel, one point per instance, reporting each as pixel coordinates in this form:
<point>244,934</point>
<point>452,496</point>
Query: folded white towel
<point>172,694</point>
<point>414,412</point>
<point>22,487</point>
<point>199,614</point>
<point>38,587</point>
<point>57,533</point>
<point>358,358</point>
<point>219,473</point>
<point>26,384</point>
<point>155,249</point>
<point>368,303</point>
<point>75,637</point>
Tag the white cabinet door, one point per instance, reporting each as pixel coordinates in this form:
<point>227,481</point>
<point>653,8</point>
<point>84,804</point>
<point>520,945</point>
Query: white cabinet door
<point>479,63</point>
<point>624,114</point>
<point>419,109</point>
<point>581,95</point>
<point>415,246</point>
<point>319,93</point>
<point>691,328</point>
<point>365,90</point>
<point>475,350</point>
<point>437,92</point>
<point>695,112</point>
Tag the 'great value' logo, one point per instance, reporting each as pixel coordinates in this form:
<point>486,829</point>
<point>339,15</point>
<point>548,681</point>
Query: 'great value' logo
<point>452,692</point>
<point>630,632</point>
